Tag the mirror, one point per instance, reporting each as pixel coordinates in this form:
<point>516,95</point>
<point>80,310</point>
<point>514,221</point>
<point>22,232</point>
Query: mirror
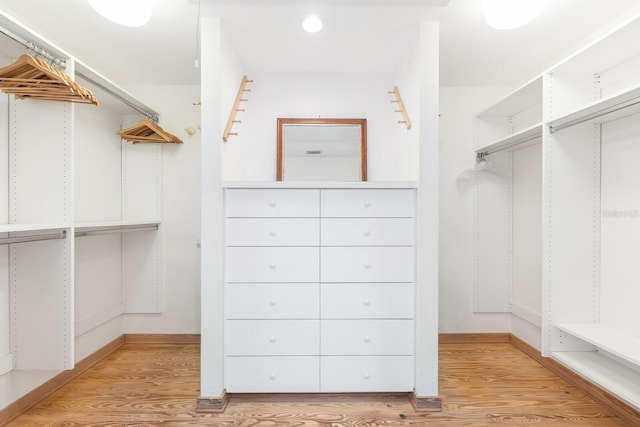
<point>322,150</point>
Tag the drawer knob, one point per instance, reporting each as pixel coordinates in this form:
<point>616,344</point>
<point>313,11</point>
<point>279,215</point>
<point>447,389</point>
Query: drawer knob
<point>367,266</point>
<point>272,233</point>
<point>272,204</point>
<point>272,266</point>
<point>272,339</point>
<point>272,302</point>
<point>366,375</point>
<point>367,302</point>
<point>272,376</point>
<point>367,204</point>
<point>367,339</point>
<point>367,233</point>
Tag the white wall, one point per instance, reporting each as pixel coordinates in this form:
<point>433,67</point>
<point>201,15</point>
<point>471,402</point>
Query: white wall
<point>526,289</point>
<point>252,154</point>
<point>181,204</point>
<point>458,106</point>
<point>180,228</point>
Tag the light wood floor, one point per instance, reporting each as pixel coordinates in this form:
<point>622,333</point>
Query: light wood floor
<point>480,384</point>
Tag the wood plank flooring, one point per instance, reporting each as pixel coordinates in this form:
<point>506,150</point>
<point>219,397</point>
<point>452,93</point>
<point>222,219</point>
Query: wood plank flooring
<point>157,385</point>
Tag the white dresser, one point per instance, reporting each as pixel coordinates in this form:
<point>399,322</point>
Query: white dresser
<point>319,287</point>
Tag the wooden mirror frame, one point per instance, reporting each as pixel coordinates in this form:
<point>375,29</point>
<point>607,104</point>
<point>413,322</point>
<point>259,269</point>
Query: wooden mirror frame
<point>300,121</point>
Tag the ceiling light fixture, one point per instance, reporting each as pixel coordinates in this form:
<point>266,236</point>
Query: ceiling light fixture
<point>130,13</point>
<point>509,14</point>
<point>312,24</point>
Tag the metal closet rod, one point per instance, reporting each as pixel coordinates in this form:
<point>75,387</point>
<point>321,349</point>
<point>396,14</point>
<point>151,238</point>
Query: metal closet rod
<point>485,153</point>
<point>153,117</point>
<point>37,49</point>
<point>595,115</point>
<point>63,63</point>
<point>124,229</point>
<point>33,238</point>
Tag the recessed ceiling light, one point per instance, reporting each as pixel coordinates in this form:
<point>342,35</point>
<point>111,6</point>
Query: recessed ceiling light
<point>312,24</point>
<point>508,14</point>
<point>130,13</point>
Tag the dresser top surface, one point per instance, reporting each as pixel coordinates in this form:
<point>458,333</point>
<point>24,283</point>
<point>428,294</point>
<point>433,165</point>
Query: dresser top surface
<point>323,184</point>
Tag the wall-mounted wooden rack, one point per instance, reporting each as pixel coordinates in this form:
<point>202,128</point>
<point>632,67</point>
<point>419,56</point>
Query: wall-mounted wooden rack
<point>236,109</point>
<point>401,108</point>
<point>147,131</point>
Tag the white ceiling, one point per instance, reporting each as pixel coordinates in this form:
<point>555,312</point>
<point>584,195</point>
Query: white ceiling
<point>360,36</point>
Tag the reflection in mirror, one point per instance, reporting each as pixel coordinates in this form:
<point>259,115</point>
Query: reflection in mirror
<point>322,150</point>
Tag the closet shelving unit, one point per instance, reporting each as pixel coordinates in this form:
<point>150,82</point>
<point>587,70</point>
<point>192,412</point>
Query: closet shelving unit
<point>66,173</point>
<point>591,275</point>
<point>586,113</point>
<point>511,124</point>
<point>513,121</point>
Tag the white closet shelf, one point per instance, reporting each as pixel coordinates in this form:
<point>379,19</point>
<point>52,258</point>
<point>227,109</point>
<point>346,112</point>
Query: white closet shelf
<point>614,341</point>
<point>523,98</point>
<point>604,371</point>
<point>13,228</point>
<point>85,226</point>
<point>518,139</point>
<point>611,107</point>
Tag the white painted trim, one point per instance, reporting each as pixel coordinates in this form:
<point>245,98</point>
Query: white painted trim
<point>93,321</point>
<point>6,363</point>
<point>527,314</point>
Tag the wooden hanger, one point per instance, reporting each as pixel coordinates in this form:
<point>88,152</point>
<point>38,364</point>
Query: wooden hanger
<point>147,131</point>
<point>30,77</point>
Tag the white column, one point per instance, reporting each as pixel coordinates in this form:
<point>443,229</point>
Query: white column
<point>427,224</point>
<point>212,326</point>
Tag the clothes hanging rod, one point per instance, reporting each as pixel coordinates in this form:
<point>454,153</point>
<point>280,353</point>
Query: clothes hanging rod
<point>509,146</point>
<point>149,115</point>
<point>62,63</point>
<point>153,116</point>
<point>595,115</point>
<point>124,229</point>
<point>33,238</point>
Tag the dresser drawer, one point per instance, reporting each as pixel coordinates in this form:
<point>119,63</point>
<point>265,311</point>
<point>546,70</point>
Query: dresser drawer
<point>272,232</point>
<point>367,203</point>
<point>367,300</point>
<point>271,264</point>
<point>367,337</point>
<point>350,374</point>
<point>367,264</point>
<point>367,231</point>
<point>272,203</point>
<point>297,374</point>
<point>272,301</point>
<point>272,337</point>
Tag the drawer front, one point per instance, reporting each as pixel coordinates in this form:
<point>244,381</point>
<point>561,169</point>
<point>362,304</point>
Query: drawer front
<point>367,337</point>
<point>367,264</point>
<point>272,203</point>
<point>272,301</point>
<point>271,264</point>
<point>272,232</point>
<point>368,203</point>
<point>350,374</point>
<point>367,231</point>
<point>272,337</point>
<point>367,300</point>
<point>272,374</point>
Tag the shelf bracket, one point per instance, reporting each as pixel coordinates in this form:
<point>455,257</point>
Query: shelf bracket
<point>401,108</point>
<point>236,108</point>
